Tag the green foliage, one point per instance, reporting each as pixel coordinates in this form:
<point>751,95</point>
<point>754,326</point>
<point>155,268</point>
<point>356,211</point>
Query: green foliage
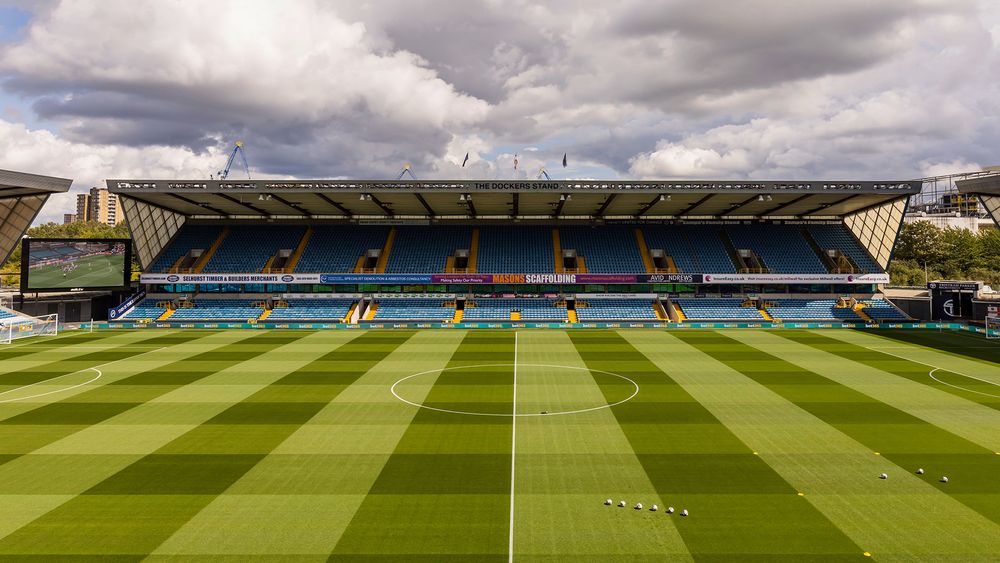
<point>926,252</point>
<point>79,229</point>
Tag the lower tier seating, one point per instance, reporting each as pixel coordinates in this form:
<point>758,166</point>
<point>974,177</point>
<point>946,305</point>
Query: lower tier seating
<point>414,309</point>
<point>219,310</point>
<point>615,309</point>
<point>145,309</point>
<point>312,309</point>
<point>536,308</point>
<point>717,309</point>
<point>809,310</point>
<point>882,310</point>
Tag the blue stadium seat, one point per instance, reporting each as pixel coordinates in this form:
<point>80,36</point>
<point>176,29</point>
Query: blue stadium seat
<point>336,248</point>
<point>414,309</point>
<point>605,250</point>
<point>145,309</point>
<point>809,310</point>
<point>424,250</point>
<point>717,309</point>
<point>882,310</point>
<point>247,248</point>
<point>782,247</point>
<point>694,248</point>
<point>837,237</point>
<point>187,239</point>
<point>597,309</point>
<point>513,250</point>
<point>531,308</point>
<point>219,310</point>
<point>312,309</point>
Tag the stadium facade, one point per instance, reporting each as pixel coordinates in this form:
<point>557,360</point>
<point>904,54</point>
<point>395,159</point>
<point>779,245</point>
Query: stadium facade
<point>453,251</point>
<point>22,196</point>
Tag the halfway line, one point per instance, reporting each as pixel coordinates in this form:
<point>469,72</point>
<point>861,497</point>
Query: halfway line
<point>513,442</point>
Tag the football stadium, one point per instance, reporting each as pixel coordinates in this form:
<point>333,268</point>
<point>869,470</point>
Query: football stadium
<point>504,370</point>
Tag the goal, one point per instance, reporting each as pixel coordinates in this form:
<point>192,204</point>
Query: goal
<point>16,328</point>
<point>993,328</point>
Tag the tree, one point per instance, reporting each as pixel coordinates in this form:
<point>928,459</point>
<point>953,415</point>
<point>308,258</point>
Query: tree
<point>945,253</point>
<point>919,241</point>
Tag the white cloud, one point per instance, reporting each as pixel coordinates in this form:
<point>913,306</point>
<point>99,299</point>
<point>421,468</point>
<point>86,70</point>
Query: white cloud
<point>350,89</point>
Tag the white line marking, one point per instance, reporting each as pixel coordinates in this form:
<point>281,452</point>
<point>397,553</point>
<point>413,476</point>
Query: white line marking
<point>513,450</point>
<point>578,411</point>
<point>95,368</point>
<point>99,374</point>
<point>936,368</point>
<point>931,374</point>
<point>932,365</point>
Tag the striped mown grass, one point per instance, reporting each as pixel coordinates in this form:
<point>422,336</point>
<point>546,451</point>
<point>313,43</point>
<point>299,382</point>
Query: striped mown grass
<point>272,445</point>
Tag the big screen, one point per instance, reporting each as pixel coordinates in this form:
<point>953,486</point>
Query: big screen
<point>64,264</point>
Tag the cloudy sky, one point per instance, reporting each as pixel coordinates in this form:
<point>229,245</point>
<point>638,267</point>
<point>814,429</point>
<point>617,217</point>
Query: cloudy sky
<point>777,89</point>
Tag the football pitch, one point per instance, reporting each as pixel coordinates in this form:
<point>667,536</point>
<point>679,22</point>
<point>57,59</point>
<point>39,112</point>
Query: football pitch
<point>453,445</point>
<point>92,271</point>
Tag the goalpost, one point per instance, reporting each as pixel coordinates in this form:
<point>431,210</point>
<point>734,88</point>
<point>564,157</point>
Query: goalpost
<point>26,327</point>
<point>993,327</point>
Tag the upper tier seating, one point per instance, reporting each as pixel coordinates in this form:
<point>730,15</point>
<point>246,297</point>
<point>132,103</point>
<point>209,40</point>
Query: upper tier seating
<point>187,239</point>
<point>782,247</point>
<point>531,308</point>
<point>424,250</point>
<point>219,309</point>
<point>6,314</point>
<point>809,309</point>
<point>605,250</point>
<point>694,248</point>
<point>837,237</point>
<point>518,249</point>
<point>513,250</point>
<point>615,309</point>
<point>312,309</point>
<point>246,249</point>
<point>882,310</point>
<point>717,309</point>
<point>414,309</point>
<point>336,248</point>
<point>145,309</point>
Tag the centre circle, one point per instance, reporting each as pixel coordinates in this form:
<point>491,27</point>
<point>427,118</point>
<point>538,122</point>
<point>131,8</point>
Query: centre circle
<point>396,391</point>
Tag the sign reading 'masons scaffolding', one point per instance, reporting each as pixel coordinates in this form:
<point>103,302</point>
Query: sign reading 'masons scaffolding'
<point>515,279</point>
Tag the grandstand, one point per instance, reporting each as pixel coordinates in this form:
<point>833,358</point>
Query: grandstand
<point>462,252</point>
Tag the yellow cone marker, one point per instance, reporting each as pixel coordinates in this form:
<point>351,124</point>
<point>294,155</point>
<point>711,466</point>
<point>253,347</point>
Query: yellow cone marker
<point>868,554</point>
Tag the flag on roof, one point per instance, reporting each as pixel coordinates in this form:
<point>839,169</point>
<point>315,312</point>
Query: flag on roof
<point>515,162</point>
<point>564,160</point>
<point>466,160</point>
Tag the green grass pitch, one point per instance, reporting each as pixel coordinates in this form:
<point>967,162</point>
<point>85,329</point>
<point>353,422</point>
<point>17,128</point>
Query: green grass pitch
<point>170,445</point>
<point>93,271</point>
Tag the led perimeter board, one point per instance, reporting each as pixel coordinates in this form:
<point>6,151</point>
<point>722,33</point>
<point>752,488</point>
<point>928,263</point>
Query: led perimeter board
<point>67,264</point>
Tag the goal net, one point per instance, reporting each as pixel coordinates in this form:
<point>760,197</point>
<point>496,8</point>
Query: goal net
<point>993,328</point>
<point>16,328</point>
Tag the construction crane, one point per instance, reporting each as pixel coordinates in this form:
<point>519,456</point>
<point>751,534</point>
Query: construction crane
<point>223,174</point>
<point>404,171</point>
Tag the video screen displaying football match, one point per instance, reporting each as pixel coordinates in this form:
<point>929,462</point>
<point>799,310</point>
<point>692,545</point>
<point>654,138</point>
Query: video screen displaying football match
<point>74,264</point>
